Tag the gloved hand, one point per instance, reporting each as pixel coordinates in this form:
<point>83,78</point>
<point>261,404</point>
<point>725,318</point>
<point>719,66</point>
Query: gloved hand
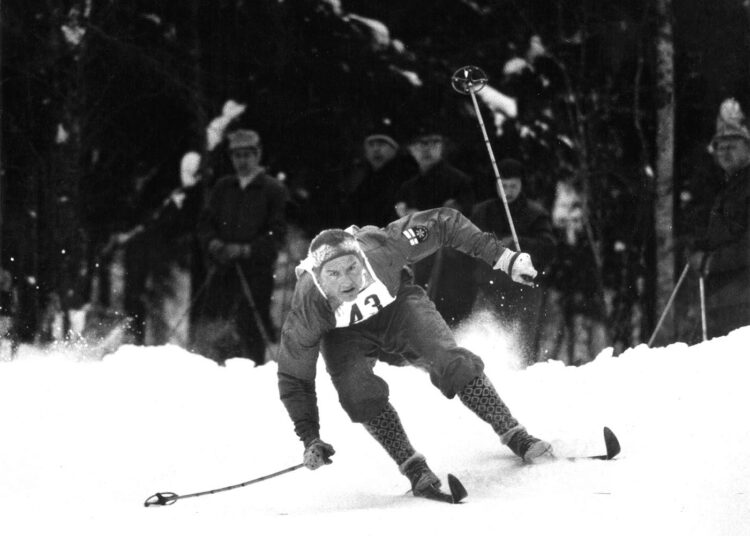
<point>218,251</point>
<point>700,261</point>
<point>518,266</point>
<point>238,251</point>
<point>317,454</point>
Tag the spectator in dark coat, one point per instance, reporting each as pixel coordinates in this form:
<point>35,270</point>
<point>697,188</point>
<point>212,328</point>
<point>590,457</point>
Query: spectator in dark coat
<point>242,226</point>
<point>727,241</point>
<point>371,188</point>
<point>438,184</point>
<point>517,307</point>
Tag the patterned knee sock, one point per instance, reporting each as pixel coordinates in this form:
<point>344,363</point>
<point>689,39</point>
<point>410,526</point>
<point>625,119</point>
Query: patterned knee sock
<point>387,429</point>
<point>480,396</point>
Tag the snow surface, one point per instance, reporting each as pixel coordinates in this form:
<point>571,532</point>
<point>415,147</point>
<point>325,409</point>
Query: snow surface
<point>84,442</point>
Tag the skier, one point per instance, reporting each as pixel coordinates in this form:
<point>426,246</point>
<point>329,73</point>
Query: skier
<point>355,302</point>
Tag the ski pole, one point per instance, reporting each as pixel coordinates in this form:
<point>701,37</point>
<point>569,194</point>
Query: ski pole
<point>669,303</point>
<point>251,302</point>
<point>192,303</point>
<point>702,289</point>
<point>166,498</point>
<point>470,80</point>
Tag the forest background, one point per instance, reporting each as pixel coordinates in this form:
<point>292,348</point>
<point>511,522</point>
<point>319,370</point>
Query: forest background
<point>611,104</point>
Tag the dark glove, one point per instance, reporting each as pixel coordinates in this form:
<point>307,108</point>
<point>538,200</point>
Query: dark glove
<point>700,262</point>
<point>317,454</point>
<point>238,251</point>
<point>218,251</point>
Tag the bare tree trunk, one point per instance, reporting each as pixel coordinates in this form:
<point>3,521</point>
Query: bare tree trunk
<point>664,207</point>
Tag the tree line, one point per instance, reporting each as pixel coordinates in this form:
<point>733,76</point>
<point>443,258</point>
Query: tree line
<point>102,98</point>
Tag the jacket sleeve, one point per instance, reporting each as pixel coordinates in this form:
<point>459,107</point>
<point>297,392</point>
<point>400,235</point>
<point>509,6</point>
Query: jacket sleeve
<point>421,234</point>
<point>303,329</point>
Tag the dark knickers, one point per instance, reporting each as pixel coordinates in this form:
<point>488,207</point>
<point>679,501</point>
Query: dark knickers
<point>411,330</point>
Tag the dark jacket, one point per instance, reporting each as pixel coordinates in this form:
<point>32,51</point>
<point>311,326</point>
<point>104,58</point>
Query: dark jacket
<point>532,223</point>
<point>441,183</point>
<point>728,243</point>
<point>373,192</point>
<point>254,215</point>
<point>727,236</point>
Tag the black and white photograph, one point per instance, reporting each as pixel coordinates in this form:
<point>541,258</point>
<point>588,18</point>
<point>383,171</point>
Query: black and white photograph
<point>334,267</point>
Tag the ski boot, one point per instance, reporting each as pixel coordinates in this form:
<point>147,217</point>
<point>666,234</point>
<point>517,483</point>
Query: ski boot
<point>526,446</point>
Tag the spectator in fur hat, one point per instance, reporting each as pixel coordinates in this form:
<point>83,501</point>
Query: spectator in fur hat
<point>726,247</point>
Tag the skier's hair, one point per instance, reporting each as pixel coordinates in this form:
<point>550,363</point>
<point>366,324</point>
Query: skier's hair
<point>332,243</point>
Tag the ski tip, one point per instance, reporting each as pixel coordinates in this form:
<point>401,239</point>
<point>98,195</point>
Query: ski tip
<point>612,443</point>
<point>458,491</point>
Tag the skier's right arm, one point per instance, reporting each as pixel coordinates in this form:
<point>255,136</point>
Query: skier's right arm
<point>303,329</point>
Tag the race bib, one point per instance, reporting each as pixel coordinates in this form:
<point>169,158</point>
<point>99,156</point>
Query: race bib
<point>369,302</point>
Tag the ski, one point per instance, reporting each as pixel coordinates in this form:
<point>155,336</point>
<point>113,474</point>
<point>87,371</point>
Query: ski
<point>456,495</point>
<point>611,443</point>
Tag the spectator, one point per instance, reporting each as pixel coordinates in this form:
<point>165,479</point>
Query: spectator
<point>438,184</point>
<point>241,227</point>
<point>371,189</point>
<point>727,241</point>
<point>517,306</point>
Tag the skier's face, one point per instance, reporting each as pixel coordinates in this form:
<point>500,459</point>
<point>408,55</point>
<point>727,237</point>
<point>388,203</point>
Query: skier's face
<point>343,278</point>
<point>732,154</point>
<point>512,187</point>
<point>378,152</point>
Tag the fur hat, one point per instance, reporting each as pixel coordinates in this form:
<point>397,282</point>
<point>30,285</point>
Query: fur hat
<point>331,244</point>
<point>730,122</point>
<point>243,139</point>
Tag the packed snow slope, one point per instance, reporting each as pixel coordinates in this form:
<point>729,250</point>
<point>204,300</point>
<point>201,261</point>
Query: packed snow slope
<point>84,442</point>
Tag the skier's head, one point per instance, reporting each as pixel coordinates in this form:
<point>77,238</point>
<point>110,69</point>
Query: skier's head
<point>338,264</point>
<point>511,178</point>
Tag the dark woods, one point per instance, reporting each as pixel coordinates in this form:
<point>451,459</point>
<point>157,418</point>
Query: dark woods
<point>102,99</point>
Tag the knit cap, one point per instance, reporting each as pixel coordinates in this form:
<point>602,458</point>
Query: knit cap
<point>331,244</point>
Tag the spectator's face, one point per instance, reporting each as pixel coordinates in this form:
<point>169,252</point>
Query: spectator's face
<point>246,160</point>
<point>378,153</point>
<point>512,187</point>
<point>427,151</point>
<point>343,278</point>
<point>732,154</point>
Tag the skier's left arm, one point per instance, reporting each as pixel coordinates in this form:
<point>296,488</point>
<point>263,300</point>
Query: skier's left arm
<point>423,233</point>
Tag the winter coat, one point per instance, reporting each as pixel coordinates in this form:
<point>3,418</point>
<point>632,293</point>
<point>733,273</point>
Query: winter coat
<point>225,325</point>
<point>372,196</point>
<point>387,252</point>
<point>531,221</point>
<point>728,243</point>
<point>443,275</point>
<point>441,183</point>
<point>254,215</point>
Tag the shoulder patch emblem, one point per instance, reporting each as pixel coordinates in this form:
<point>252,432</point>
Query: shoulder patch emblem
<point>416,234</point>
